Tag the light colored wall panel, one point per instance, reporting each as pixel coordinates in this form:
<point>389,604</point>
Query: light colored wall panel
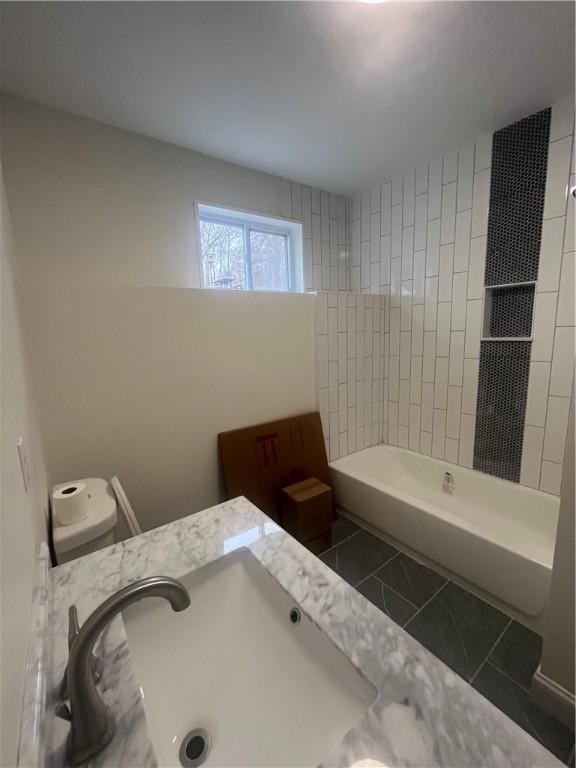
<point>408,199</point>
<point>531,456</point>
<point>466,447</point>
<point>555,432</point>
<point>565,314</point>
<point>562,121</point>
<point>23,511</point>
<point>435,188</point>
<point>476,267</point>
<point>448,217</point>
<point>465,177</point>
<point>140,365</point>
<point>551,254</point>
<point>543,326</point>
<point>551,477</point>
<point>473,328</point>
<point>470,385</point>
<point>443,329</point>
<point>433,248</point>
<point>562,362</point>
<point>537,401</point>
<point>450,167</point>
<point>422,178</point>
<point>480,203</point>
<point>557,177</point>
<point>439,433</point>
<point>483,152</point>
<point>462,240</point>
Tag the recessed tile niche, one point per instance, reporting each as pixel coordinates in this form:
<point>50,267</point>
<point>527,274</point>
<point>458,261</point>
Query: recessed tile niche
<point>517,189</point>
<point>508,311</point>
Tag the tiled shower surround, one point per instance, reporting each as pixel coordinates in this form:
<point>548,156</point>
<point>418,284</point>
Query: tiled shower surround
<point>325,229</point>
<point>398,353</point>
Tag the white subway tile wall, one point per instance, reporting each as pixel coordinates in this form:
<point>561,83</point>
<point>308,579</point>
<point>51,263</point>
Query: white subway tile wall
<point>350,369</point>
<point>326,235</point>
<point>552,360</point>
<point>398,335</point>
<point>433,225</point>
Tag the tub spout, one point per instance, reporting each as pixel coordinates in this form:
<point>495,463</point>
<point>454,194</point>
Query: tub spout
<point>448,484</point>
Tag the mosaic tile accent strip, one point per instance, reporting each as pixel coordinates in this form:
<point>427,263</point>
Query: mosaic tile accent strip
<point>517,192</point>
<point>501,407</point>
<point>511,311</point>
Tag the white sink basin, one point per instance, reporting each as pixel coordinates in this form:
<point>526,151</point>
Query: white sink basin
<point>268,692</point>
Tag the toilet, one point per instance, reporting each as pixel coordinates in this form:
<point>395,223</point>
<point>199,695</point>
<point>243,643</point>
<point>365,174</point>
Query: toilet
<point>111,519</point>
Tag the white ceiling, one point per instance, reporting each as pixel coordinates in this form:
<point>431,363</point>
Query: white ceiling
<point>337,95</point>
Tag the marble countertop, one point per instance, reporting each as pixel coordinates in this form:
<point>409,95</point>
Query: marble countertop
<point>425,715</point>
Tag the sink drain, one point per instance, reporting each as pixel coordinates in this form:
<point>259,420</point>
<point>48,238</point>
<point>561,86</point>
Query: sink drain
<point>295,615</point>
<point>194,748</point>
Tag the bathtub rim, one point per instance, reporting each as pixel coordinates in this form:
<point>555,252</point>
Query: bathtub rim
<point>445,515</point>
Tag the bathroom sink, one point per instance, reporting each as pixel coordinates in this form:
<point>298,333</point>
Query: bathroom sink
<point>243,664</point>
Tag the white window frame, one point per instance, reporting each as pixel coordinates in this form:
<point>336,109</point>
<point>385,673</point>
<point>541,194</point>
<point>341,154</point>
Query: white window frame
<point>292,230</point>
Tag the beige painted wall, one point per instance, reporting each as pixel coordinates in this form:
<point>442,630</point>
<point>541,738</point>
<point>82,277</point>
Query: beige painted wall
<point>96,203</point>
<point>139,381</point>
<point>21,513</point>
<point>153,374</point>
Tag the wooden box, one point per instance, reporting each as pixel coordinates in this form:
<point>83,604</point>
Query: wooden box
<point>307,512</point>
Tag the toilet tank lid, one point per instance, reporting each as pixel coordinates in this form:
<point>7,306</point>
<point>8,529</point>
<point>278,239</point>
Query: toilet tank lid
<point>102,518</point>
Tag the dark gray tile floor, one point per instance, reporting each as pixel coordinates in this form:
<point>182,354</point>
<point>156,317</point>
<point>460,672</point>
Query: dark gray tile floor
<point>342,528</point>
<point>493,652</point>
<point>387,600</point>
<point>459,628</point>
<point>359,555</point>
<point>410,579</point>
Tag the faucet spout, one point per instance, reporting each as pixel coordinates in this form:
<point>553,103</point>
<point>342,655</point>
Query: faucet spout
<point>92,726</point>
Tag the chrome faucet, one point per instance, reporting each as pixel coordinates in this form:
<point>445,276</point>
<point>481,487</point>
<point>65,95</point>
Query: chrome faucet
<point>92,725</point>
<point>73,629</point>
<point>448,484</point>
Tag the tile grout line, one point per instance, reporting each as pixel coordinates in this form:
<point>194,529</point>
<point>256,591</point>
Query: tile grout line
<point>506,675</point>
<point>402,552</point>
<point>482,664</point>
<point>340,542</point>
<point>398,594</point>
<point>428,601</point>
<point>362,580</point>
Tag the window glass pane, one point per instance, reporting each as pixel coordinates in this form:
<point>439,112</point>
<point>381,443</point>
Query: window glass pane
<point>269,252</point>
<point>223,259</point>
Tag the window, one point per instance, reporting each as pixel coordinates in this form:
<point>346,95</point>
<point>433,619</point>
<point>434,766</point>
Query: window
<point>241,251</point>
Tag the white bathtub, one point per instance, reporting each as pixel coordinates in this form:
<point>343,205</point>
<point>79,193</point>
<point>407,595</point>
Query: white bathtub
<point>492,533</point>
